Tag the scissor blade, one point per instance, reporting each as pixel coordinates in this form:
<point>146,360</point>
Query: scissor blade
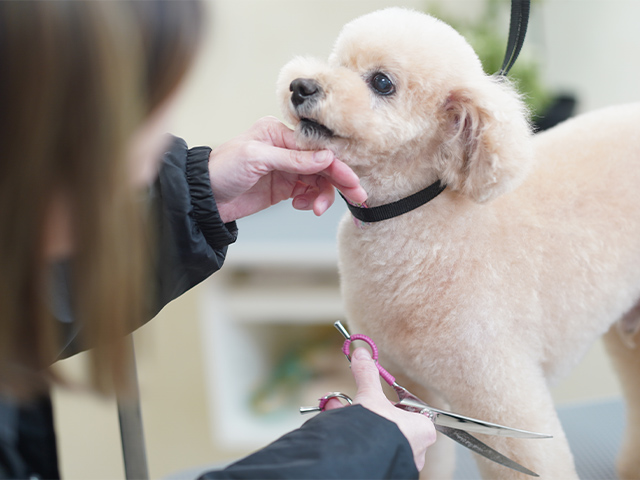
<point>448,419</point>
<point>472,443</point>
<point>474,425</point>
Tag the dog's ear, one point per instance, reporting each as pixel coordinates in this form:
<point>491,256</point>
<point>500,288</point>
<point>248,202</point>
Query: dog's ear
<point>487,139</point>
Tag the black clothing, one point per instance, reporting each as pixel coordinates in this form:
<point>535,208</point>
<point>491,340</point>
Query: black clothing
<point>27,440</point>
<point>192,242</point>
<point>345,443</point>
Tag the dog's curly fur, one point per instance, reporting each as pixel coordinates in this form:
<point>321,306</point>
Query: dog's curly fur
<point>500,284</point>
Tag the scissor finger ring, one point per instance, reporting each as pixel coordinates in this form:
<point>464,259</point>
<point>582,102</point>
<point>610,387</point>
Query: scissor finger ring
<point>324,400</point>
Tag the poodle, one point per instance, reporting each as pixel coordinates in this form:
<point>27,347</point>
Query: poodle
<point>497,287</point>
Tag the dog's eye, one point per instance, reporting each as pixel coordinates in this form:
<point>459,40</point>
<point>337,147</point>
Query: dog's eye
<point>382,84</point>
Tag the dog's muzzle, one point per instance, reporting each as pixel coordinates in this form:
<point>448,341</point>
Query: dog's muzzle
<point>304,91</point>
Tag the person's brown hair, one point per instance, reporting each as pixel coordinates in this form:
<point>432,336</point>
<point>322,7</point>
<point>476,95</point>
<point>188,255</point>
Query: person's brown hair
<point>76,80</point>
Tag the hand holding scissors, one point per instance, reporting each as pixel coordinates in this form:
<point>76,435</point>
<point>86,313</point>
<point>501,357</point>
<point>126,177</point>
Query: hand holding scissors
<point>455,426</point>
<point>419,431</point>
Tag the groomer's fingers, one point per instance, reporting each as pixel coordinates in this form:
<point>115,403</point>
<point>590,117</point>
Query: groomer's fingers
<point>318,198</point>
<point>334,403</point>
<point>275,143</point>
<point>367,376</point>
<point>300,189</point>
<point>340,175</point>
<point>325,197</point>
<point>276,132</point>
<point>321,163</point>
<point>418,429</point>
<point>292,161</point>
<point>344,179</point>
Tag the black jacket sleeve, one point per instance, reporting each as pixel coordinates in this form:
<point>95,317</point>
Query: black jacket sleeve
<point>193,239</point>
<point>345,443</point>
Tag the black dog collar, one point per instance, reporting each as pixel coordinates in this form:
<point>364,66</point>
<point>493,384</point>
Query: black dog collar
<point>397,208</point>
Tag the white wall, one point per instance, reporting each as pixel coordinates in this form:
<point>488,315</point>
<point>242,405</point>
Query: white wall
<point>591,47</point>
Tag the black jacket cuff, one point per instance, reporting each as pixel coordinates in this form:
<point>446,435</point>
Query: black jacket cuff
<point>205,211</point>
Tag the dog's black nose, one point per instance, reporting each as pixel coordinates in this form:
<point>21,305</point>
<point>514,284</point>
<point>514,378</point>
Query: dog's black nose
<point>303,89</point>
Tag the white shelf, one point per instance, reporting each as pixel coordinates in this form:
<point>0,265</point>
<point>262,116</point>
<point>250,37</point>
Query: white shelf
<point>239,356</point>
<point>272,254</point>
<point>278,287</point>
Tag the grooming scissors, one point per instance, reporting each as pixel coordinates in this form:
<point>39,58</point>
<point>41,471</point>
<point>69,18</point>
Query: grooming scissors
<point>454,426</point>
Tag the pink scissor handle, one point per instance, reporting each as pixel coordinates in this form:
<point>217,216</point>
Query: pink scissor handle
<point>346,349</point>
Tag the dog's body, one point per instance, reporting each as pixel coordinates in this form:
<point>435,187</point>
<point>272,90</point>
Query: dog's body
<point>501,283</point>
<point>485,303</point>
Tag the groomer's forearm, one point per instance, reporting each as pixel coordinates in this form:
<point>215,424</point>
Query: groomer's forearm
<point>350,442</point>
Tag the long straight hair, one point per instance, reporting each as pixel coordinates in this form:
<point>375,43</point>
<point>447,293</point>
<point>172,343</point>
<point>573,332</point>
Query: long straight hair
<point>76,80</point>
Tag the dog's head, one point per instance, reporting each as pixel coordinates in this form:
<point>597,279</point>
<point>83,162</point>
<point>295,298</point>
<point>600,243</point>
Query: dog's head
<point>404,101</point>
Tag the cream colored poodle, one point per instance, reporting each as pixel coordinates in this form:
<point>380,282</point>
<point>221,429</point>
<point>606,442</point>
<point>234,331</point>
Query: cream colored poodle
<point>499,285</point>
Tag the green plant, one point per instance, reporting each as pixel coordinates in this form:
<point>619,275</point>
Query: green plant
<point>487,36</point>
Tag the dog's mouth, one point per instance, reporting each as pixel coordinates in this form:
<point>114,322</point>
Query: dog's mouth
<point>311,128</point>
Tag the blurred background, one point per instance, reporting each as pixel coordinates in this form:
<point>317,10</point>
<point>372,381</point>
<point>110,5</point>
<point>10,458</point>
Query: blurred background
<point>224,368</point>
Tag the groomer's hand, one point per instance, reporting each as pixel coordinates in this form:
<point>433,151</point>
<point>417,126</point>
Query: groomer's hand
<point>263,167</point>
<point>418,429</point>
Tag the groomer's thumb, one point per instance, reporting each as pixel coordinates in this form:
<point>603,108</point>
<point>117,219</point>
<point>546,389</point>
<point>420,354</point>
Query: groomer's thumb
<point>365,373</point>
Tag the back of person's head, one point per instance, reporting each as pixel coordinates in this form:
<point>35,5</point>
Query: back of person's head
<point>76,81</point>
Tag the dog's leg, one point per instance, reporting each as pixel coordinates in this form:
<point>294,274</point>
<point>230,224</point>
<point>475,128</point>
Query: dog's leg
<point>523,401</point>
<point>440,460</point>
<point>626,360</point>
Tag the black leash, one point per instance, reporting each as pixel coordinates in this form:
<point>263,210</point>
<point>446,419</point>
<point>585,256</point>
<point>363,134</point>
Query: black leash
<point>517,31</point>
